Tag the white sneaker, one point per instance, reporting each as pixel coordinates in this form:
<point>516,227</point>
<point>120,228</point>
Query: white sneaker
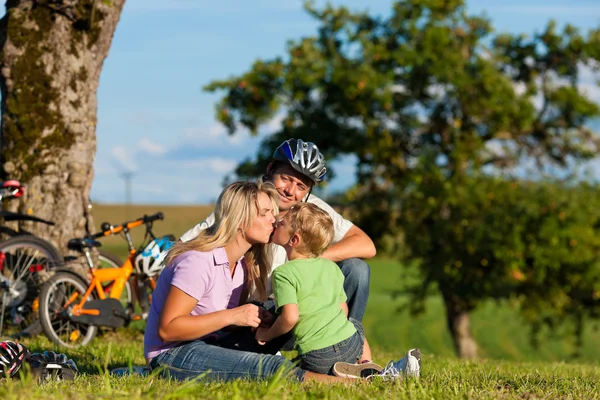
<point>409,365</point>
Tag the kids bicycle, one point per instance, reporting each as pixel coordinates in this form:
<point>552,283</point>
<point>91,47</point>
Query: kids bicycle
<point>71,309</point>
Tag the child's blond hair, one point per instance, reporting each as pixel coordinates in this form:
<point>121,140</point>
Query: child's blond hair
<point>313,225</point>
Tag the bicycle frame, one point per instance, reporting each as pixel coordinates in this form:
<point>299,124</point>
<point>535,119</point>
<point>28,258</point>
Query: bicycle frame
<point>118,276</point>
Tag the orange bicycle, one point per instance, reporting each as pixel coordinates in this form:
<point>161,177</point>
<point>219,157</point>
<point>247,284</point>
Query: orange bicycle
<point>71,309</point>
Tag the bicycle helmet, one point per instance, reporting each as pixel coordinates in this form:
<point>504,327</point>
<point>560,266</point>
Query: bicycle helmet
<point>12,355</point>
<point>48,365</point>
<point>304,157</point>
<point>151,260</point>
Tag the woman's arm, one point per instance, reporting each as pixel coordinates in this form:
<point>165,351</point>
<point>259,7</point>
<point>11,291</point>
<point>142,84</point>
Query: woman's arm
<point>176,323</point>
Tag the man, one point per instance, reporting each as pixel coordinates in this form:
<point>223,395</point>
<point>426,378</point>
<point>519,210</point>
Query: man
<point>296,167</point>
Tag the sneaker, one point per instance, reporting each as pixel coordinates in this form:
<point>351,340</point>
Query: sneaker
<point>347,370</point>
<point>140,370</point>
<point>409,365</point>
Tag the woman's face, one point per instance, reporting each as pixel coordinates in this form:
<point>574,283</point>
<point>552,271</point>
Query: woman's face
<point>261,228</point>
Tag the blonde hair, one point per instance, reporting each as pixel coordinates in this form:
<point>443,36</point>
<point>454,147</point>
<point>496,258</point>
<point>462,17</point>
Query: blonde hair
<point>236,208</point>
<point>313,225</point>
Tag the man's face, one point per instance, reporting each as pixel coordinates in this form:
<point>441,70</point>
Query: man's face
<point>291,185</point>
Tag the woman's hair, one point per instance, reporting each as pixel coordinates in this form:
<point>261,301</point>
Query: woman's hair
<point>313,225</point>
<point>236,208</point>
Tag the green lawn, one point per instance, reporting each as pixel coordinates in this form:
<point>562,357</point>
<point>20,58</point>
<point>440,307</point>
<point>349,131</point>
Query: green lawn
<point>498,328</point>
<point>510,367</point>
<point>522,374</point>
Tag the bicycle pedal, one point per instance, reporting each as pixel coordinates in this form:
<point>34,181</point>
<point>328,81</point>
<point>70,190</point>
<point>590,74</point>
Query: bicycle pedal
<point>136,317</point>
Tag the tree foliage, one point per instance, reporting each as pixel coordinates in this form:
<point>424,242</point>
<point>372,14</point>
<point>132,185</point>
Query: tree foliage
<point>433,104</point>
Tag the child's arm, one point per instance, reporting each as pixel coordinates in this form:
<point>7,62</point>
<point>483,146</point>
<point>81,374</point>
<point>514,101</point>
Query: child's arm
<point>282,325</point>
<point>344,307</point>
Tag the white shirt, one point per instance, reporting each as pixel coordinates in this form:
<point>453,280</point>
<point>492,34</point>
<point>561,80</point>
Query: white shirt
<point>341,226</point>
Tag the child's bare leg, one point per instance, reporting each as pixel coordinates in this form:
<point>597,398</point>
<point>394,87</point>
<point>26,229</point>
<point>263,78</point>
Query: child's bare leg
<point>366,354</point>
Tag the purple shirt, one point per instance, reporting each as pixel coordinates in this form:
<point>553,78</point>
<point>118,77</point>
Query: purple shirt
<point>203,275</point>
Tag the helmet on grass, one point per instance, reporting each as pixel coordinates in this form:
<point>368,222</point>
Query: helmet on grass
<point>304,157</point>
<point>50,365</point>
<point>150,261</point>
<point>12,355</point>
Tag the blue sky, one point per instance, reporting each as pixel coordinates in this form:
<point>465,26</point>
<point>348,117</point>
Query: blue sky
<point>154,119</point>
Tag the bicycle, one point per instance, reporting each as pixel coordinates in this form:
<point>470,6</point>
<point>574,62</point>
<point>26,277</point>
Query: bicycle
<point>24,258</point>
<point>71,309</point>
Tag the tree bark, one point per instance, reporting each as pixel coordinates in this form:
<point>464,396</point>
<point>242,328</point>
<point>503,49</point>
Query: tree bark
<point>52,55</point>
<point>459,323</point>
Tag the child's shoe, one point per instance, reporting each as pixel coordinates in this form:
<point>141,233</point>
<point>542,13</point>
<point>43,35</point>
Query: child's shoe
<point>362,370</point>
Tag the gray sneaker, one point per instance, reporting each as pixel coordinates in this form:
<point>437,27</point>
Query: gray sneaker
<point>347,370</point>
<point>409,365</point>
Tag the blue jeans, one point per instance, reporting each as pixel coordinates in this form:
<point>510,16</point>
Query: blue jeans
<point>349,350</point>
<point>356,285</point>
<point>199,360</point>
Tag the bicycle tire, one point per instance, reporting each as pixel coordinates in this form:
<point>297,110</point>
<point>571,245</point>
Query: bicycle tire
<point>112,261</point>
<point>53,315</point>
<point>23,258</point>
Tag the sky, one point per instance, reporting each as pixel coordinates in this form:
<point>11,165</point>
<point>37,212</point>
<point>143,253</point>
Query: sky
<point>156,123</point>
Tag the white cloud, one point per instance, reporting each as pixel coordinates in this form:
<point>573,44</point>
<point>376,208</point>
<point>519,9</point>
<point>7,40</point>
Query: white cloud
<point>218,165</point>
<point>148,146</point>
<point>124,158</point>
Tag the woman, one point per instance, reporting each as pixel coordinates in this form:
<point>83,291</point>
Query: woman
<point>200,295</point>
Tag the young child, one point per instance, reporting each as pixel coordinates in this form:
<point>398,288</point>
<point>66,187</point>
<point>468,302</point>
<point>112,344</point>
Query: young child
<point>310,299</point>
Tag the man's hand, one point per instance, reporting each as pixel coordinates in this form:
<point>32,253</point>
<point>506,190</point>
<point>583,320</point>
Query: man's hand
<point>262,336</point>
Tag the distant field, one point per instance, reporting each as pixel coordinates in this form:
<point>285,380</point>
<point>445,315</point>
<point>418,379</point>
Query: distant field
<point>178,219</point>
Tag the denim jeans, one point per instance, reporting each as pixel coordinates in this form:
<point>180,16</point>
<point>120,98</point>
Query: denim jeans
<point>349,350</point>
<point>356,285</point>
<point>208,362</point>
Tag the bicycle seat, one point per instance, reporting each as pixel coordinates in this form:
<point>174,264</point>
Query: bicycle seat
<point>14,187</point>
<point>11,183</point>
<point>81,244</point>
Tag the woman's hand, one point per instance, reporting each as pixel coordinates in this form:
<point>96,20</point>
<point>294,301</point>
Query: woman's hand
<point>262,336</point>
<point>246,315</point>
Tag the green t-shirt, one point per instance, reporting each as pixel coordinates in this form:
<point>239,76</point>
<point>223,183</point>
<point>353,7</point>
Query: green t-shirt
<point>316,285</point>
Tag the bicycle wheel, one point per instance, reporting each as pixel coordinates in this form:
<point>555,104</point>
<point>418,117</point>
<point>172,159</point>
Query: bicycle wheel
<point>23,261</point>
<point>57,297</point>
<point>107,260</point>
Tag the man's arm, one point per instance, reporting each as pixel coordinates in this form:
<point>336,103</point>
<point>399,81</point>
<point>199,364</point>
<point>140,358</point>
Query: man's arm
<point>349,241</point>
<point>195,231</point>
<point>355,243</point>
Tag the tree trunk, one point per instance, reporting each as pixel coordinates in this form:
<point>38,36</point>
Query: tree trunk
<point>52,55</point>
<point>459,323</point>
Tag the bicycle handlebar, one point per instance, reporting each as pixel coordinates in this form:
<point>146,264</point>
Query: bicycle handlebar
<point>108,229</point>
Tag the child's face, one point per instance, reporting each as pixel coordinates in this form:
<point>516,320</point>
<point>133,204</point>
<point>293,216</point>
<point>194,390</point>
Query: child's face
<point>282,234</point>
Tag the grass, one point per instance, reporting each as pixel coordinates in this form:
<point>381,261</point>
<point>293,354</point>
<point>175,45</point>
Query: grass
<point>510,368</point>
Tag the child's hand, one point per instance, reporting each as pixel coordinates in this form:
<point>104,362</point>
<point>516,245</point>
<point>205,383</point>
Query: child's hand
<point>266,318</point>
<point>261,336</point>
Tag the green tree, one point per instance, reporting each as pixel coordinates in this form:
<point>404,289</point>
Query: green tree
<point>52,55</point>
<point>428,93</point>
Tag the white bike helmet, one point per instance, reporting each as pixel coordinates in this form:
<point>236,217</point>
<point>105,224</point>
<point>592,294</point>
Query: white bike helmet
<point>304,157</point>
<point>151,260</point>
<point>12,355</point>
